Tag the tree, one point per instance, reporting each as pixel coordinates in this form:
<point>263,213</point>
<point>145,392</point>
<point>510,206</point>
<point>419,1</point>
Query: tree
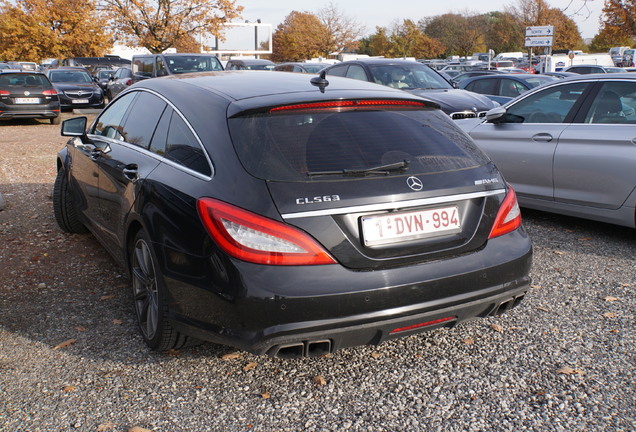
<point>460,34</point>
<point>36,29</point>
<point>160,24</point>
<point>377,44</point>
<point>407,40</point>
<point>342,31</point>
<point>619,16</point>
<point>538,13</point>
<point>300,37</point>
<point>502,31</point>
<point>608,37</point>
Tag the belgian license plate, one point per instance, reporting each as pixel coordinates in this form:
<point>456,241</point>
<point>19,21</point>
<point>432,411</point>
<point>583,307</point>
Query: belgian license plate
<point>27,100</point>
<point>400,227</point>
<point>79,101</point>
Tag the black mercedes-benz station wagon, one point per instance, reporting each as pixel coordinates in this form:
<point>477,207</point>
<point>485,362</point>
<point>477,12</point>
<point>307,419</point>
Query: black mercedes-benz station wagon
<point>290,215</point>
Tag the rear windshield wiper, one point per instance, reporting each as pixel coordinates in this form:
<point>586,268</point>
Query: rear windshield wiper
<point>381,170</point>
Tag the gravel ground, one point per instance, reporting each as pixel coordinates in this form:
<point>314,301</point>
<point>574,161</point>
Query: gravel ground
<point>71,358</point>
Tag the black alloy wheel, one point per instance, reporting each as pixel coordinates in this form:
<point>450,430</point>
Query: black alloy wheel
<point>149,298</point>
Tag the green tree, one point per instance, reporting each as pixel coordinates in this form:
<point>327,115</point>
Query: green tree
<point>160,24</point>
<point>300,37</point>
<point>608,37</point>
<point>502,31</point>
<point>36,29</point>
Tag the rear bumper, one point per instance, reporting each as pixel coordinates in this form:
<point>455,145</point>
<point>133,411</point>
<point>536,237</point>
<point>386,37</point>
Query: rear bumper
<point>311,310</point>
<point>26,111</point>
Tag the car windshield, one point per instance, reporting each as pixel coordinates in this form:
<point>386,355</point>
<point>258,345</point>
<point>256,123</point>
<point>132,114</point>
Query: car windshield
<point>193,63</point>
<point>303,145</point>
<point>69,76</point>
<point>408,76</point>
<point>104,73</point>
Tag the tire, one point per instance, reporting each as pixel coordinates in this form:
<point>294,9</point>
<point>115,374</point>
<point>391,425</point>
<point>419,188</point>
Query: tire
<point>56,120</point>
<point>64,207</point>
<point>149,298</point>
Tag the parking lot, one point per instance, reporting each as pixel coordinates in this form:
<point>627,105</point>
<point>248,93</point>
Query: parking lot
<point>71,357</point>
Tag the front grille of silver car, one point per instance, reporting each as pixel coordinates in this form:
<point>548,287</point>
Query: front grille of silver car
<point>78,93</point>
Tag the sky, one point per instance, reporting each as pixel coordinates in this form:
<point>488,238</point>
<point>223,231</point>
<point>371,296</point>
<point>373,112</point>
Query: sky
<point>372,13</point>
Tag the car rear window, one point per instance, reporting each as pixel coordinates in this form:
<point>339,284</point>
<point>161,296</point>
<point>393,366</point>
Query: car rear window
<point>23,80</point>
<point>287,146</point>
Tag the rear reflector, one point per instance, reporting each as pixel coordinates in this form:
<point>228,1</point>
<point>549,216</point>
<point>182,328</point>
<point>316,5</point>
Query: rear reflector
<point>257,239</point>
<point>509,216</point>
<point>424,324</point>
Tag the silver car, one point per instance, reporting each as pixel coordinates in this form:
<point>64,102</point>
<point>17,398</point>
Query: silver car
<point>568,147</point>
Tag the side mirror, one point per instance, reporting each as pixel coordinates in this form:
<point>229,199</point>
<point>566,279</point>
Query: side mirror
<point>496,115</point>
<point>75,127</point>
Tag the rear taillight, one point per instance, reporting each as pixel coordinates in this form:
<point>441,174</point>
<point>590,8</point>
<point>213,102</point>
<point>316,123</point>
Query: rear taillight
<point>257,239</point>
<point>49,92</point>
<point>509,216</point>
<point>4,93</point>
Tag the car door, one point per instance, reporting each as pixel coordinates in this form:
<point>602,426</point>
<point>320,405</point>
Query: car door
<point>123,168</point>
<point>523,142</point>
<point>594,163</point>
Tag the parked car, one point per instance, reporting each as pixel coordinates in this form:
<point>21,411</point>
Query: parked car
<point>568,147</point>
<point>157,65</point>
<point>118,82</point>
<point>312,68</point>
<point>461,77</point>
<point>102,76</point>
<point>628,58</point>
<point>291,215</point>
<point>76,88</point>
<point>505,87</point>
<point>418,79</point>
<point>590,69</point>
<point>28,95</point>
<point>250,64</point>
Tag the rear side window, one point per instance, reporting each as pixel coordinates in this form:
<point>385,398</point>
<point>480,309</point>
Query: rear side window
<point>175,141</point>
<point>290,146</point>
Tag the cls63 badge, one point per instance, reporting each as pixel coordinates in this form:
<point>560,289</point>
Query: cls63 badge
<point>317,199</point>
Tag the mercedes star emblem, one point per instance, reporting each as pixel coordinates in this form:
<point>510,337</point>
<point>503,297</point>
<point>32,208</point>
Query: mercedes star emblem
<point>415,183</point>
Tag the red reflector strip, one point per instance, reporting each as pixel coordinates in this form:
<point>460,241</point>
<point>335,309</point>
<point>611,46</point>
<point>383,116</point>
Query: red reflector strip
<point>425,324</point>
<point>348,104</point>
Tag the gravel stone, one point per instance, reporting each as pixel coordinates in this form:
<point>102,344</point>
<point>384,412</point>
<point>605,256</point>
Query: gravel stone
<point>56,287</point>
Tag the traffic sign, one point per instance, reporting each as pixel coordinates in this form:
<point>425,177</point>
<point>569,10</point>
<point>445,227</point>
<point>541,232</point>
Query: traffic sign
<point>539,41</point>
<point>540,31</point>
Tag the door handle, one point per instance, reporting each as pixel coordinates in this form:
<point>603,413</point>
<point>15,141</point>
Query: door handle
<point>130,172</point>
<point>543,137</point>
